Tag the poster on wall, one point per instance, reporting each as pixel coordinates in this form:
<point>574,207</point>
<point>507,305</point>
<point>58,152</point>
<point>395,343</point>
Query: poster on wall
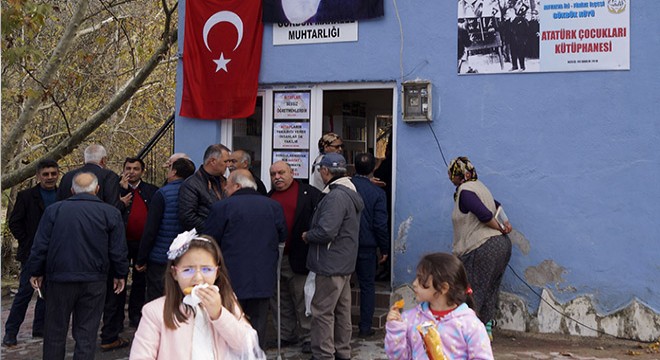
<point>291,135</point>
<point>299,162</point>
<point>291,105</point>
<point>516,36</point>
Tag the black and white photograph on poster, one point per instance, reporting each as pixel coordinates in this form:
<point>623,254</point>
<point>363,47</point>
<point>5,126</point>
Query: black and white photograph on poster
<point>298,160</point>
<point>498,36</point>
<point>519,36</point>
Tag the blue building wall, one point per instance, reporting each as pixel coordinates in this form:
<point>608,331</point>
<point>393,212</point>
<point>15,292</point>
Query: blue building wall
<point>574,157</point>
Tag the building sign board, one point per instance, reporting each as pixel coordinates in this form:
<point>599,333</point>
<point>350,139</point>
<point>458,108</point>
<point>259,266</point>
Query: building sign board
<point>296,34</point>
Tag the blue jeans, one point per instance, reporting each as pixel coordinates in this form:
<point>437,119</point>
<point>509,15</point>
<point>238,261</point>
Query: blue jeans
<point>366,266</point>
<point>83,300</point>
<point>20,305</point>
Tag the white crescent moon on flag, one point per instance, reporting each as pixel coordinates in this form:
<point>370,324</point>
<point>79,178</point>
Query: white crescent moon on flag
<point>223,16</point>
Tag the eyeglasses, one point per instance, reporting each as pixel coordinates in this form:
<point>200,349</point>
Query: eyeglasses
<point>190,271</point>
<point>337,146</point>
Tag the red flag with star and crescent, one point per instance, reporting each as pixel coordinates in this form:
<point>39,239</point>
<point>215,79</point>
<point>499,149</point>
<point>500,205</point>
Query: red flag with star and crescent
<point>221,58</point>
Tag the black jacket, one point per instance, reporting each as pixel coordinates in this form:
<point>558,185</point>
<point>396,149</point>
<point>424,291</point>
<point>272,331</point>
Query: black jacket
<point>77,241</point>
<point>248,227</point>
<point>196,195</point>
<point>24,220</point>
<point>261,188</point>
<point>108,184</point>
<point>146,191</point>
<point>308,198</point>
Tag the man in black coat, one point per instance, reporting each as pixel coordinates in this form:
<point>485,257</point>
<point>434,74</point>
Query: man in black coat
<point>135,196</point>
<point>298,201</point>
<point>241,159</point>
<point>249,227</point>
<point>95,163</point>
<point>374,235</point>
<point>206,186</point>
<point>77,241</point>
<point>23,223</point>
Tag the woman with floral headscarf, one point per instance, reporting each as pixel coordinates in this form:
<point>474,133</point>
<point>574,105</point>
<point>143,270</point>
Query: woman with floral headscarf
<point>479,240</point>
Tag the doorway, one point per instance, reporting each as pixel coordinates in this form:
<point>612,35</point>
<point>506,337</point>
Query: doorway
<point>363,119</point>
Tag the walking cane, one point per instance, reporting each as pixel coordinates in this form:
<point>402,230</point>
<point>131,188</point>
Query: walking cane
<point>279,320</point>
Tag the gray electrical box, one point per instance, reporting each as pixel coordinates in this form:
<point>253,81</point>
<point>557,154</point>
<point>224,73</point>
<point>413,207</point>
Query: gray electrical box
<point>417,101</point>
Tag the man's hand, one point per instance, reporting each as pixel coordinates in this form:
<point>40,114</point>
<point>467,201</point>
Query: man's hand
<point>304,237</point>
<point>383,258</point>
<point>141,268</point>
<point>36,281</point>
<point>119,285</point>
<point>123,181</point>
<point>126,199</point>
<point>378,182</point>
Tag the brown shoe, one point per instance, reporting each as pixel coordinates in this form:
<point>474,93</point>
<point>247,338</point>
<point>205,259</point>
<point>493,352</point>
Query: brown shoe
<point>117,344</point>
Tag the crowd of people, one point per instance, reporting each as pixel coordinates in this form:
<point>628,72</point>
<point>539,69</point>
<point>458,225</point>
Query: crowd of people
<point>202,254</point>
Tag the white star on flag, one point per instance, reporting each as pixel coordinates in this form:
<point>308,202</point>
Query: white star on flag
<point>221,63</point>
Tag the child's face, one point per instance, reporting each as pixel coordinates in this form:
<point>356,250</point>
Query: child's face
<point>195,267</point>
<point>426,292</point>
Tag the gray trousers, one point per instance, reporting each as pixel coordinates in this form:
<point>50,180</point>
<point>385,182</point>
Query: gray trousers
<point>295,325</point>
<point>331,317</point>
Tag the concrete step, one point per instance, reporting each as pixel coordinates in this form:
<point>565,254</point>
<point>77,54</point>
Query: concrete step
<point>377,321</point>
<point>382,303</point>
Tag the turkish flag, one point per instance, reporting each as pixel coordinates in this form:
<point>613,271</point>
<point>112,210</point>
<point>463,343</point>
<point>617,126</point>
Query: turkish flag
<point>221,58</point>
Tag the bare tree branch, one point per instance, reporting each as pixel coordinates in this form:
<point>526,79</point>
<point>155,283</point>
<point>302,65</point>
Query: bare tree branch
<point>97,26</point>
<point>65,147</point>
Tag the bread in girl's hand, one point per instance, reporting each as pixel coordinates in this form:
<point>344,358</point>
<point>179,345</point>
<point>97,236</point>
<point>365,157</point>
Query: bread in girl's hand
<point>188,290</point>
<point>399,304</point>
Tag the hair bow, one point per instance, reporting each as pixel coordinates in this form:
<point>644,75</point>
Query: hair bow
<point>182,242</point>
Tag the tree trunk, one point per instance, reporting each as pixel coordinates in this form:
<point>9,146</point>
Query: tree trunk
<point>11,178</point>
<point>39,87</point>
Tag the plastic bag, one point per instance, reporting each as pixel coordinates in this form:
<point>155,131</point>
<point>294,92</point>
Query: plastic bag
<point>432,341</point>
<point>310,288</point>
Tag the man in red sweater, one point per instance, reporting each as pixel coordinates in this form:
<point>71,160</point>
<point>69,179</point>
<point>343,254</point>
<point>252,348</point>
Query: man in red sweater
<point>135,196</point>
<point>298,201</point>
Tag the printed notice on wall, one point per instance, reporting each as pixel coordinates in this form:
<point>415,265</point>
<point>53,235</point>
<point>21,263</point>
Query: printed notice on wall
<point>543,36</point>
<point>291,135</point>
<point>294,34</point>
<point>299,162</point>
<point>291,105</point>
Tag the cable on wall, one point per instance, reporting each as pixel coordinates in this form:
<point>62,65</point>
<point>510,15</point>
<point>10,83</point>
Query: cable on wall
<point>536,292</point>
<point>438,142</point>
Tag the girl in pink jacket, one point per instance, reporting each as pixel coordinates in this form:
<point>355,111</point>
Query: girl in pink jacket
<point>199,317</point>
<point>443,294</point>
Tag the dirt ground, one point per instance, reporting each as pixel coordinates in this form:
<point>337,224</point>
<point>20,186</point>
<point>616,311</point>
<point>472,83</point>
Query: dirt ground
<point>538,346</point>
<point>506,345</point>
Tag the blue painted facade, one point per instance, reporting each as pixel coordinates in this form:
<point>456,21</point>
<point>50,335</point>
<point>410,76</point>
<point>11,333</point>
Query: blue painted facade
<point>574,157</point>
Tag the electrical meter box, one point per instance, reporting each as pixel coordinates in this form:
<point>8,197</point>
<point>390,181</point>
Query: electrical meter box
<point>417,101</point>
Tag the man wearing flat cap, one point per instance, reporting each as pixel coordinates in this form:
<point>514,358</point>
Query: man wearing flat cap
<point>333,248</point>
